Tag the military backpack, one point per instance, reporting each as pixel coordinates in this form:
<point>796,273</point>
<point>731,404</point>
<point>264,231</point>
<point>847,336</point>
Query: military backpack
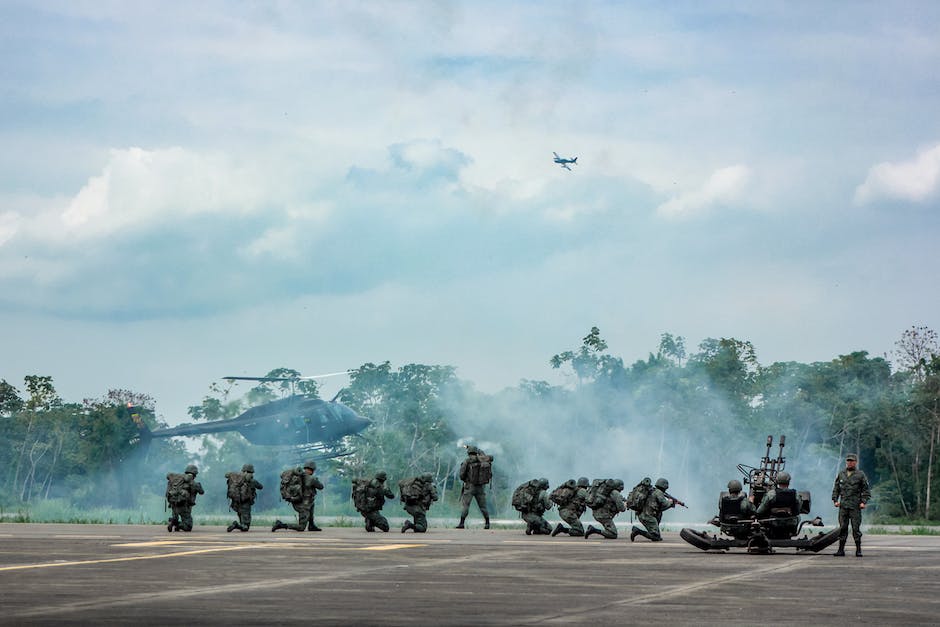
<point>240,487</point>
<point>480,472</point>
<point>599,492</point>
<point>179,488</point>
<point>636,500</point>
<point>564,494</point>
<point>524,496</point>
<point>292,485</point>
<point>411,489</point>
<point>361,495</point>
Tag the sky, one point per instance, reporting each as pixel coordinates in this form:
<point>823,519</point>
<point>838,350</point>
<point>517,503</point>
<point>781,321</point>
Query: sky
<point>189,191</point>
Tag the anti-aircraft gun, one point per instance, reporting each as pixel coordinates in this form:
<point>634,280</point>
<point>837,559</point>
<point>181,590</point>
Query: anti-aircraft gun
<point>777,528</point>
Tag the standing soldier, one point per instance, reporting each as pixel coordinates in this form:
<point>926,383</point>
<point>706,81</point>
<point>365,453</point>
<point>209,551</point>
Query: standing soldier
<point>181,491</point>
<point>531,499</point>
<point>417,494</point>
<point>571,499</point>
<point>299,487</point>
<point>652,513</point>
<point>605,501</point>
<point>369,498</point>
<point>476,471</point>
<point>850,493</point>
<point>242,490</point>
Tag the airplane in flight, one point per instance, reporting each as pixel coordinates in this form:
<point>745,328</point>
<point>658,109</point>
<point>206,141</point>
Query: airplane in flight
<point>564,161</point>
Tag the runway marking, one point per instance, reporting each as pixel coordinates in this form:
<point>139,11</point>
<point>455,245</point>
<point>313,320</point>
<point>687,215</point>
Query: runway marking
<point>75,536</point>
<point>128,559</point>
<point>389,547</point>
<point>153,543</point>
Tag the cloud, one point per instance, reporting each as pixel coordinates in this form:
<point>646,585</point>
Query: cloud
<point>914,180</point>
<point>724,186</point>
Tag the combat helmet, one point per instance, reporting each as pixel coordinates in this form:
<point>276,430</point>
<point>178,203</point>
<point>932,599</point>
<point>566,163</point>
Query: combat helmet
<point>584,482</point>
<point>472,450</point>
<point>662,484</point>
<point>543,483</point>
<point>381,475</point>
<point>783,478</point>
<point>248,468</point>
<point>618,485</point>
<point>735,486</point>
<point>191,470</point>
<point>427,477</point>
<point>312,465</point>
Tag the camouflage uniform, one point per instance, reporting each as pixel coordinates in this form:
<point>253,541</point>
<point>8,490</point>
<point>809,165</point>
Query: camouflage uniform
<point>417,507</point>
<point>605,513</point>
<point>472,490</point>
<point>739,525</point>
<point>378,492</point>
<point>850,491</point>
<point>305,506</point>
<point>780,524</point>
<point>182,518</point>
<point>243,508</point>
<point>572,511</point>
<point>532,515</point>
<point>656,503</point>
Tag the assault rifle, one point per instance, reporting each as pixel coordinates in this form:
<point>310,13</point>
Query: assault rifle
<point>678,502</point>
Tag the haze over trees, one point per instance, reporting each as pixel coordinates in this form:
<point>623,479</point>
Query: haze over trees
<point>690,415</point>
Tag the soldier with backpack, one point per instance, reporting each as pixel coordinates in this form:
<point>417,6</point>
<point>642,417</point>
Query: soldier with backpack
<point>531,500</point>
<point>605,501</point>
<point>299,488</point>
<point>571,499</point>
<point>652,513</point>
<point>369,496</point>
<point>181,491</point>
<point>417,494</point>
<point>476,471</point>
<point>242,490</point>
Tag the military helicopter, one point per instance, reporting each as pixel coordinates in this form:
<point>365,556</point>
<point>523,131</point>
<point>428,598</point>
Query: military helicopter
<point>761,535</point>
<point>309,426</point>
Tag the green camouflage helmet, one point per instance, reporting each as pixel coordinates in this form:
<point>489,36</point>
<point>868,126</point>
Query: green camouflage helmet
<point>427,477</point>
<point>191,470</point>
<point>783,478</point>
<point>618,484</point>
<point>543,483</point>
<point>381,475</point>
<point>662,484</point>
<point>735,486</point>
<point>472,450</point>
<point>312,465</point>
<point>584,482</point>
<point>248,468</point>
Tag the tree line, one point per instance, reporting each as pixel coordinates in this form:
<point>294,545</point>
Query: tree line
<point>687,412</point>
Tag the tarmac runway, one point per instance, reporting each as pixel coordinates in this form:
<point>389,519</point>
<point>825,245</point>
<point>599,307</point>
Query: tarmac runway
<point>131,574</point>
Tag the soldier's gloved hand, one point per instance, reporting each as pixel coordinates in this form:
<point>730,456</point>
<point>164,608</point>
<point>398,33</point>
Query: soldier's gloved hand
<point>861,506</point>
<point>836,503</point>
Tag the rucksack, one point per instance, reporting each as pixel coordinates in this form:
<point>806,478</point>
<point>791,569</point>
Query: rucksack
<point>239,487</point>
<point>179,488</point>
<point>480,472</point>
<point>636,500</point>
<point>360,494</point>
<point>524,496</point>
<point>292,485</point>
<point>564,494</point>
<point>598,492</point>
<point>411,489</point>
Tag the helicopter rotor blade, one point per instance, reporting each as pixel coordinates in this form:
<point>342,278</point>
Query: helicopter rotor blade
<point>272,379</point>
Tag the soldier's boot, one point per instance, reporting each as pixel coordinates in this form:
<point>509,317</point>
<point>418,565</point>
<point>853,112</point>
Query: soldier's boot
<point>170,523</point>
<point>277,525</point>
<point>486,522</point>
<point>636,531</point>
<point>232,527</point>
<point>841,551</point>
<point>369,526</point>
<point>858,548</point>
<point>528,529</point>
<point>460,524</point>
<point>384,527</point>
<point>591,529</point>
<point>559,528</point>
<point>313,527</point>
<point>408,525</point>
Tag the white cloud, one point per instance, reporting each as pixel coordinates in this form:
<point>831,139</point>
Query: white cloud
<point>725,185</point>
<point>8,225</point>
<point>914,180</point>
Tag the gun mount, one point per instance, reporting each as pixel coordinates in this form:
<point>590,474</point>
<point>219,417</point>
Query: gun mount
<point>780,527</point>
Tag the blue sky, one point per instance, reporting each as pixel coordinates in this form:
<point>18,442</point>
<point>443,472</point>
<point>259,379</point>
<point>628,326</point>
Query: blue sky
<point>190,192</point>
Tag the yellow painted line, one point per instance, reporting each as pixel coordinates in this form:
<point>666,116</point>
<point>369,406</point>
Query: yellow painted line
<point>128,559</point>
<point>154,543</point>
<point>389,547</point>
